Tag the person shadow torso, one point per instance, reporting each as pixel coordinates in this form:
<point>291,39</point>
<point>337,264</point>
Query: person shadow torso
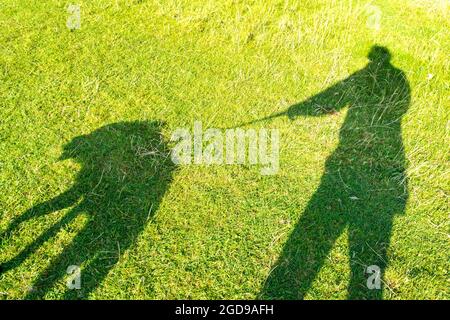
<point>363,185</point>
<point>125,171</point>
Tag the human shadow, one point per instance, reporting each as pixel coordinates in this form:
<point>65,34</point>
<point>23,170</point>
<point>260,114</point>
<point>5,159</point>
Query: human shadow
<point>363,186</point>
<point>125,171</point>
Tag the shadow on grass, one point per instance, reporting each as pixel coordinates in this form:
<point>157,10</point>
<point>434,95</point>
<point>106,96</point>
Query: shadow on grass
<point>363,186</point>
<point>125,171</point>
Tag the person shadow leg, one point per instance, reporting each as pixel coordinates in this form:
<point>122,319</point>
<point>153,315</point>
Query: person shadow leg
<point>308,245</point>
<point>369,238</point>
<point>368,260</point>
<point>328,214</point>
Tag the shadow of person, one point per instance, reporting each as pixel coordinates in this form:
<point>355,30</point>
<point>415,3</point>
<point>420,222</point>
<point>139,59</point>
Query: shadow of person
<point>363,186</point>
<point>125,171</point>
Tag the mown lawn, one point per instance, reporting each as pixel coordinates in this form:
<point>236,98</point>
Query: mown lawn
<point>86,116</point>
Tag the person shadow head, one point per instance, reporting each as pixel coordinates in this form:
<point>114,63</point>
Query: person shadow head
<point>363,186</point>
<point>125,171</point>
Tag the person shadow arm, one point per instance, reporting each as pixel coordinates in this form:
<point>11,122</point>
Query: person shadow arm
<point>328,101</point>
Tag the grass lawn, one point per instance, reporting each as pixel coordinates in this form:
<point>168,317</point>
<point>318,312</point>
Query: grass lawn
<point>86,117</point>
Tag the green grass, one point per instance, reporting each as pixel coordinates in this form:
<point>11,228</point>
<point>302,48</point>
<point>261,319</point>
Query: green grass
<point>142,228</point>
